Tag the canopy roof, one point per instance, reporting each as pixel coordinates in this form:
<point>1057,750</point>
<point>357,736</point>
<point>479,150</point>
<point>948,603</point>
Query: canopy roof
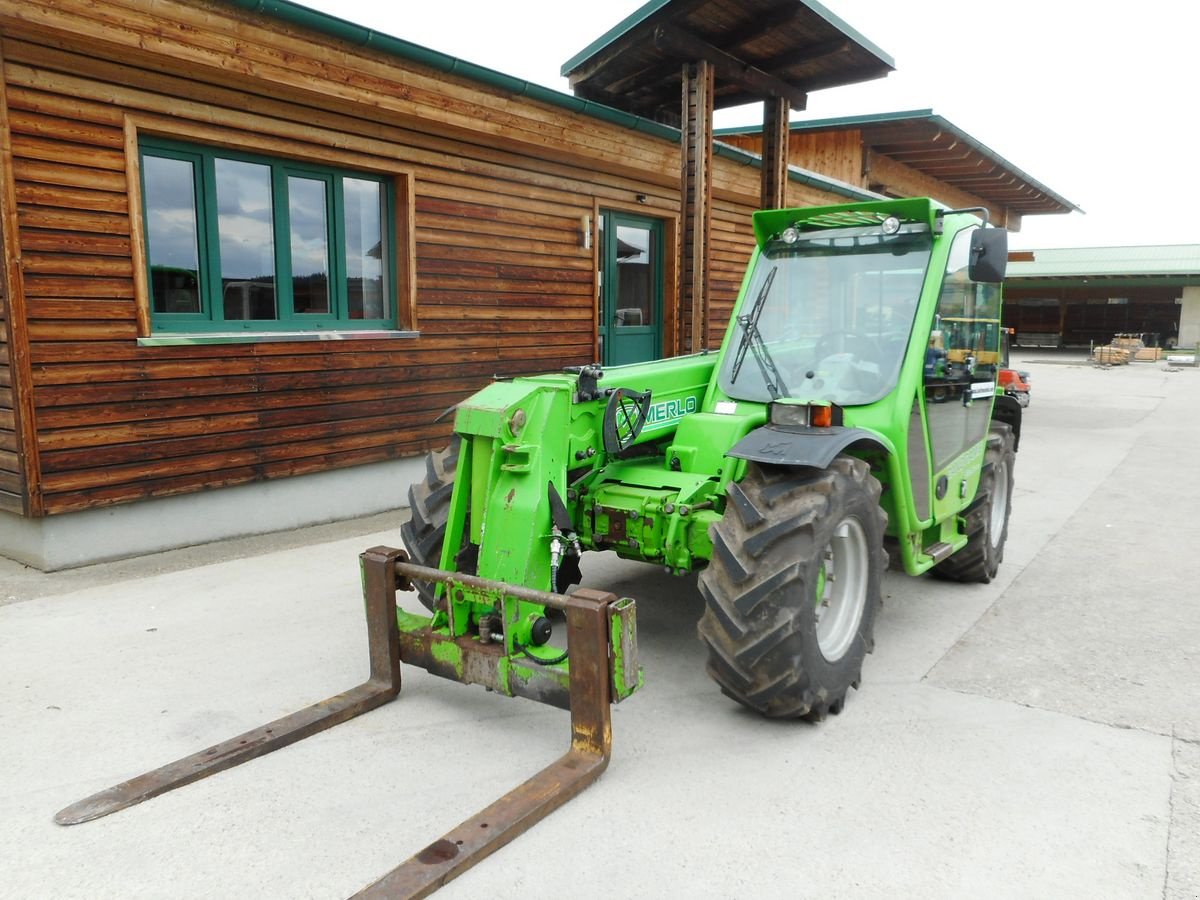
<point>759,49</point>
<point>1172,264</point>
<point>938,148</point>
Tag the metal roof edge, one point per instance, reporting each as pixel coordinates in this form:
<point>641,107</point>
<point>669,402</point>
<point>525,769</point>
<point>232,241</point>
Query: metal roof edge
<point>853,33</point>
<point>988,151</point>
<point>1099,247</point>
<point>914,115</point>
<point>640,15</point>
<point>627,24</point>
<point>341,29</point>
<point>836,122</point>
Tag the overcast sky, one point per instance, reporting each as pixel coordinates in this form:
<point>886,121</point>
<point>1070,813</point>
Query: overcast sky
<point>1095,101</point>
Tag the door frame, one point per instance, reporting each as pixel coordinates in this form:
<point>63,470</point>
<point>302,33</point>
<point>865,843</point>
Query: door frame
<point>670,268</point>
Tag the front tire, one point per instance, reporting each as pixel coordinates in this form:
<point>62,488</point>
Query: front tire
<point>429,510</point>
<point>793,587</point>
<point>987,516</point>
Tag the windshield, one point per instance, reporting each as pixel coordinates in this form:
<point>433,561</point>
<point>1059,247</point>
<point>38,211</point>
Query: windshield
<point>827,317</point>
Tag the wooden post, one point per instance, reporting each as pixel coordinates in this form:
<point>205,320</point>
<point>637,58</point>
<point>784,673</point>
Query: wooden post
<point>774,153</point>
<point>696,204</point>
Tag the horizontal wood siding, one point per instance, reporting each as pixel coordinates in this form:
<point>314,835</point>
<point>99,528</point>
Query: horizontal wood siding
<point>837,154</point>
<point>14,485</point>
<point>12,478</point>
<point>503,285</point>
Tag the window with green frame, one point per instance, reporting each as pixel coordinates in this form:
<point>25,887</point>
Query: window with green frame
<point>236,241</point>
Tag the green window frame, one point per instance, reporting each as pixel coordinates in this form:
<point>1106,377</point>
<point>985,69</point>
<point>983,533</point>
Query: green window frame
<point>197,271</point>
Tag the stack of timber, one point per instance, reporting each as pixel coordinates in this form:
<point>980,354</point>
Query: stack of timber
<point>1111,356</point>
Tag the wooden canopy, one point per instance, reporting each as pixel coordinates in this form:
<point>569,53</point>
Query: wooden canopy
<point>759,50</point>
<point>936,147</point>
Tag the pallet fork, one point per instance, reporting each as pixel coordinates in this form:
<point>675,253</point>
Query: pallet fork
<point>603,670</point>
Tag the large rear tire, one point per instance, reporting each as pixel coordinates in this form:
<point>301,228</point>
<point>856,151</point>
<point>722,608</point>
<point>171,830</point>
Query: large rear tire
<point>987,516</point>
<point>429,507</point>
<point>792,589</point>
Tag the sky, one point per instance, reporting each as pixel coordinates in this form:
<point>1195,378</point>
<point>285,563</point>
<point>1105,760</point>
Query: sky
<point>1094,101</point>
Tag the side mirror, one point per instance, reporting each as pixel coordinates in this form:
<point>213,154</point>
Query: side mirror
<point>989,255</point>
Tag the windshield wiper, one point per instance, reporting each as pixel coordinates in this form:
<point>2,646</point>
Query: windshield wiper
<point>752,340</point>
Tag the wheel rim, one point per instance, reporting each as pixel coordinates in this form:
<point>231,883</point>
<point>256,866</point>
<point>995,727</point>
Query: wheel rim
<point>842,589</point>
<point>999,504</point>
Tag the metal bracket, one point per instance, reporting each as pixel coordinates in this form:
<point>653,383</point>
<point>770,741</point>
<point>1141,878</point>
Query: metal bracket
<point>588,622</point>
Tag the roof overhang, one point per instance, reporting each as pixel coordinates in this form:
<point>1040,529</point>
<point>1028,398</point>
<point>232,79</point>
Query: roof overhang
<point>758,48</point>
<point>939,149</point>
<point>1106,267</point>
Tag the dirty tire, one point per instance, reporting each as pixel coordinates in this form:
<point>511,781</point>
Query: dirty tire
<point>987,516</point>
<point>429,505</point>
<point>783,533</point>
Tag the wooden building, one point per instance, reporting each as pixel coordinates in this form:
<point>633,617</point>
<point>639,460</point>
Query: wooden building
<point>255,248</point>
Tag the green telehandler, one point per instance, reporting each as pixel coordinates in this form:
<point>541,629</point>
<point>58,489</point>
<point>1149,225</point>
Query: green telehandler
<point>850,416</point>
<point>851,420</point>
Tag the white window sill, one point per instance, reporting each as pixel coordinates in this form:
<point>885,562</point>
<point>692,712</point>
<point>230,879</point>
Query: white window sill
<point>179,339</point>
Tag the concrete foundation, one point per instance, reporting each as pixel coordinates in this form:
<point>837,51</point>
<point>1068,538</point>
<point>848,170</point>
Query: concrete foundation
<point>133,529</point>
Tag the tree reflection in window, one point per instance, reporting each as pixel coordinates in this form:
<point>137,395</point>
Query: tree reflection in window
<point>173,241</point>
<point>240,241</point>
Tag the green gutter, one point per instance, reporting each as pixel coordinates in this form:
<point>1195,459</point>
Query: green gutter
<point>835,123</point>
<point>340,29</point>
<point>332,26</point>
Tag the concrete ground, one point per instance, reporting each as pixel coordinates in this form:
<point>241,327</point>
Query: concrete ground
<point>1035,737</point>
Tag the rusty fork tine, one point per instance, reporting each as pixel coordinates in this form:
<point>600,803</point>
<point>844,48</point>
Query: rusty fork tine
<point>593,619</point>
<point>518,810</point>
<point>379,582</point>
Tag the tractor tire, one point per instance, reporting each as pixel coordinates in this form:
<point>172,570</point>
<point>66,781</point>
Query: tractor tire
<point>429,506</point>
<point>792,588</point>
<point>987,516</point>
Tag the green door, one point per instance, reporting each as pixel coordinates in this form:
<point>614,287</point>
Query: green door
<point>962,360</point>
<point>631,288</point>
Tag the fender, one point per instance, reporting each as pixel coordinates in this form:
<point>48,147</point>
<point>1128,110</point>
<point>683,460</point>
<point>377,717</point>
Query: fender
<point>1009,411</point>
<point>797,445</point>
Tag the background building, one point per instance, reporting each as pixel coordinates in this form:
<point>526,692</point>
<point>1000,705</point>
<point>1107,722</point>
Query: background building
<point>1078,297</point>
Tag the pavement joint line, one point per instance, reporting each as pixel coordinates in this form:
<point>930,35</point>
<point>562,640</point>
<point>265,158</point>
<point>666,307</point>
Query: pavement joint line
<point>971,627</point>
<point>1050,541</point>
<point>1121,726</point>
<point>1176,777</point>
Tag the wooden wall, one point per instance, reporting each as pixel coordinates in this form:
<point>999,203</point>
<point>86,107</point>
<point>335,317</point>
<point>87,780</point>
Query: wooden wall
<point>14,487</point>
<point>836,154</point>
<point>503,285</point>
<point>842,155</point>
<point>12,480</point>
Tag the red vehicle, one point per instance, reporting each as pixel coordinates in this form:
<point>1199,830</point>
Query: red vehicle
<point>1015,382</point>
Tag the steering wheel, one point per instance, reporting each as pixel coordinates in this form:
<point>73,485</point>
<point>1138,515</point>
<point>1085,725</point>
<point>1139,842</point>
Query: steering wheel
<point>851,343</point>
<point>624,417</point>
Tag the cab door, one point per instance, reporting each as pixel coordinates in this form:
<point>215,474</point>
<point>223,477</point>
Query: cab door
<point>962,358</point>
<point>631,288</point>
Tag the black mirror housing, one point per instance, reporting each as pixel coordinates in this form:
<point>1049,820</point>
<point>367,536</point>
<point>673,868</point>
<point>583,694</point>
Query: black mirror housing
<point>989,255</point>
